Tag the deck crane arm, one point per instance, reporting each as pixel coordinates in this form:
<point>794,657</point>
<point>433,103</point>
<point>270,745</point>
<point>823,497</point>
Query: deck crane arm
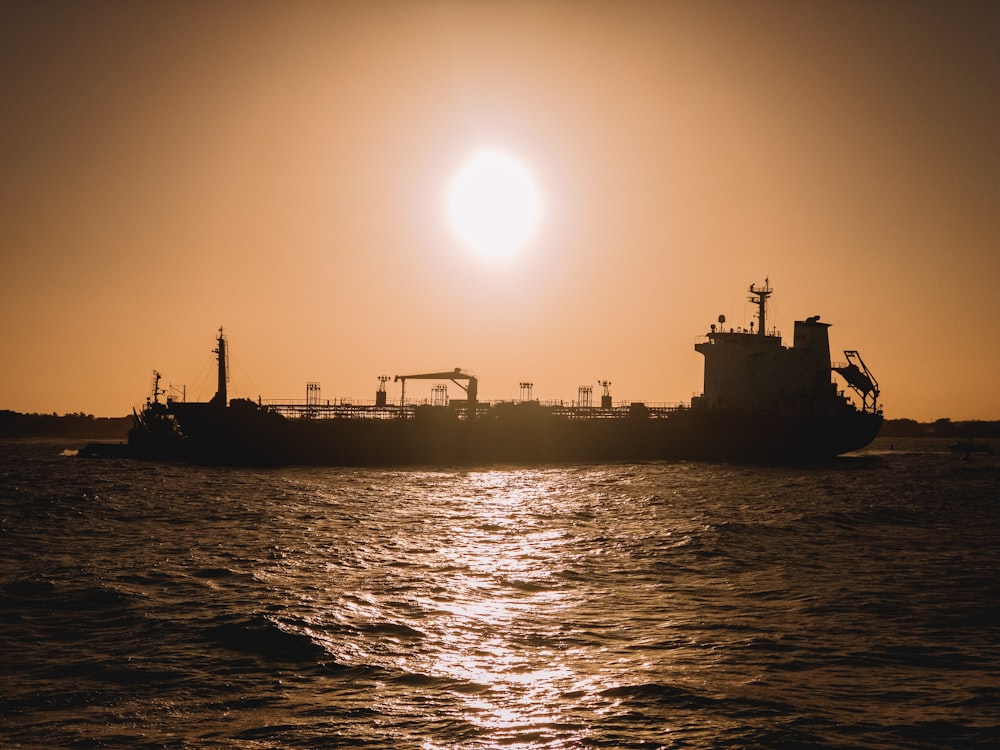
<point>454,376</point>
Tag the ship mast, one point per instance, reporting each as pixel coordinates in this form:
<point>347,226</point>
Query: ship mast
<point>221,395</point>
<point>157,391</point>
<point>759,298</point>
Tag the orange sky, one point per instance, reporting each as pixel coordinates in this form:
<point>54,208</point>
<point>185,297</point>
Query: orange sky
<point>279,169</point>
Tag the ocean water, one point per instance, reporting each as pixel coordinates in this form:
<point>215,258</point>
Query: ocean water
<point>667,604</point>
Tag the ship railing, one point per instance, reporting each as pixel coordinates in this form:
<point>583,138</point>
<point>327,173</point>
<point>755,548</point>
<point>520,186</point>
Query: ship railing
<point>623,410</point>
<point>339,410</point>
<point>345,409</point>
<point>738,334</point>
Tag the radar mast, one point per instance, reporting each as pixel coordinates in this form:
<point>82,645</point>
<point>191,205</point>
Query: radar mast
<point>759,298</point>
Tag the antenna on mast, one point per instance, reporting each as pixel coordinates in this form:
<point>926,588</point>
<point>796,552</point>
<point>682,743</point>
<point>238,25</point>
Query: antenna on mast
<point>759,298</point>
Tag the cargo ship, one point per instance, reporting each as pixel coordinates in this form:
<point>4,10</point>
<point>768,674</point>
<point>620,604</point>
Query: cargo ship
<point>762,401</point>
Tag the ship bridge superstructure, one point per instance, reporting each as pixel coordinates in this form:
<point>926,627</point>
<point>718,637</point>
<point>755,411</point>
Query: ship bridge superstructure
<point>752,371</point>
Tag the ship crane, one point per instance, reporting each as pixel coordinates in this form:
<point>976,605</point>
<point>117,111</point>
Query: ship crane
<point>471,390</point>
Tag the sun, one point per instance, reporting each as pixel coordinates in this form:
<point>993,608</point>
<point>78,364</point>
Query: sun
<point>494,204</point>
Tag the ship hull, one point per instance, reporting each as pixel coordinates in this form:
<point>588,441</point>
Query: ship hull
<point>257,437</point>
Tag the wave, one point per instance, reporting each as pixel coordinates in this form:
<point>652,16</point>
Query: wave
<point>58,596</point>
<point>660,694</point>
<point>260,636</point>
<point>392,630</point>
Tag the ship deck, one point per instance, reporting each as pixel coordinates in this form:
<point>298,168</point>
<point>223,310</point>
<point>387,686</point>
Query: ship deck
<point>349,410</point>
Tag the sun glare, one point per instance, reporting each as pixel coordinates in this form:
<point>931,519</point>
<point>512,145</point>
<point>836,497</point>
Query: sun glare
<point>494,204</point>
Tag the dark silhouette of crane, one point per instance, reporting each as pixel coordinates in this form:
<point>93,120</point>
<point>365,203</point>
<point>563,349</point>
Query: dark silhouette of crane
<point>471,390</point>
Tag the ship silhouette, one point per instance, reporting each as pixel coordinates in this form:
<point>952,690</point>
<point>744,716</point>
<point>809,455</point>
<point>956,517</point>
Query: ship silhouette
<point>762,401</point>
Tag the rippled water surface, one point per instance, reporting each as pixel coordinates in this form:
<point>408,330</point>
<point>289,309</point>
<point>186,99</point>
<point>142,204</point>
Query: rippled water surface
<point>652,605</point>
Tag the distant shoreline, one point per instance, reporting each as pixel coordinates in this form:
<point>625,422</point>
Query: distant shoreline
<point>17,425</point>
<point>941,428</point>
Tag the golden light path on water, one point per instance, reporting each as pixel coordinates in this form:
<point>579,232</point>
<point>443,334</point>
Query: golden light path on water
<point>511,585</point>
<point>513,606</point>
<point>467,579</point>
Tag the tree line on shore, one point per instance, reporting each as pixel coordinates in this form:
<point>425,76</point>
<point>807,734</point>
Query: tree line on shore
<point>76,425</point>
<point>942,428</point>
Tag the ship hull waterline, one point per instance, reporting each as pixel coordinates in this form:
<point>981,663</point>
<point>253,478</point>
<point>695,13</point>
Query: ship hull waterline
<point>224,436</point>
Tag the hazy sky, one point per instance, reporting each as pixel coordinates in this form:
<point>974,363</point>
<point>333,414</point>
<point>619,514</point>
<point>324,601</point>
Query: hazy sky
<point>280,169</point>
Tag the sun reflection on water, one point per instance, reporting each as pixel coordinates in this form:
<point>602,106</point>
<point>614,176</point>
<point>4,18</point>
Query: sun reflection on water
<point>500,622</point>
<point>463,594</point>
